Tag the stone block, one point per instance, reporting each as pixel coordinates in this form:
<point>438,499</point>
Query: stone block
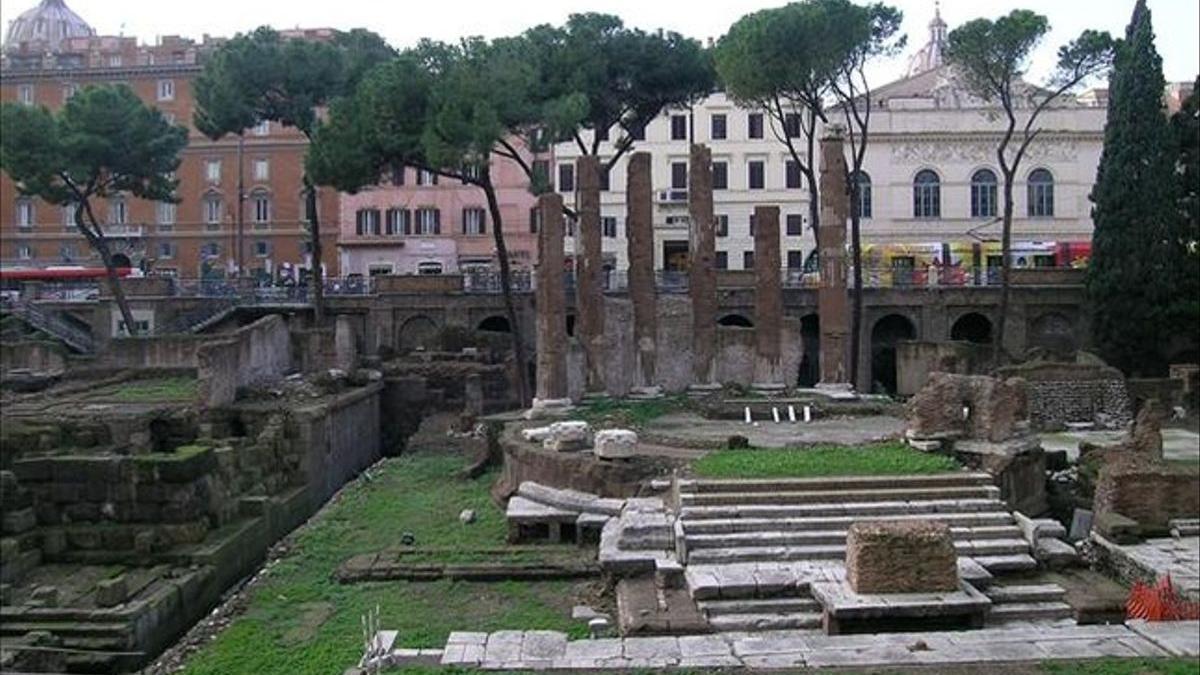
<point>1081,524</point>
<point>18,521</point>
<point>1151,492</point>
<point>901,557</point>
<point>54,541</point>
<point>1116,527</point>
<point>569,436</point>
<point>112,592</point>
<point>975,406</point>
<point>44,596</point>
<point>615,444</point>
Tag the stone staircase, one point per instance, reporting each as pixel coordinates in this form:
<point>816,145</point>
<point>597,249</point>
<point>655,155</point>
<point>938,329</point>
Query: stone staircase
<point>797,520</point>
<point>760,596</point>
<point>55,324</point>
<point>1031,602</point>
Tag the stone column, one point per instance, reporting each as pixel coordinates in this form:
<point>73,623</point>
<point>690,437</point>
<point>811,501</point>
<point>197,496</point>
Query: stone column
<point>702,273</point>
<point>639,232</point>
<point>551,306</point>
<point>832,305</point>
<point>589,292</point>
<point>768,299</point>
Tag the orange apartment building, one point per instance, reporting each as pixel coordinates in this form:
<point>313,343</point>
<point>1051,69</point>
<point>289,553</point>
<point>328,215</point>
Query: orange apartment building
<point>50,53</point>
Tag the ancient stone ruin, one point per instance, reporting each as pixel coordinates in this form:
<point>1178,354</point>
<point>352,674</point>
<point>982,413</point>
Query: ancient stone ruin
<point>901,557</point>
<point>968,407</point>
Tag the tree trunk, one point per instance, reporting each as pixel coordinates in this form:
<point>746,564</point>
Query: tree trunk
<point>1005,255</point>
<point>856,291</point>
<point>510,308</point>
<point>96,237</point>
<point>241,209</point>
<point>318,274</point>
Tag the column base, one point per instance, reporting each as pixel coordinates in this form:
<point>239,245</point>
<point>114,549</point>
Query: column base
<point>769,388</point>
<point>594,395</point>
<point>838,391</point>
<point>645,393</point>
<point>702,390</point>
<point>548,407</point>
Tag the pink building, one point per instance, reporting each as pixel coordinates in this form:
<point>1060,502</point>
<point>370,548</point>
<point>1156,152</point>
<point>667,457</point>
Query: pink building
<point>418,223</point>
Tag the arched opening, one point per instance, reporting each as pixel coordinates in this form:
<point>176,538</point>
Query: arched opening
<point>494,324</point>
<point>419,332</point>
<point>972,327</point>
<point>735,321</point>
<point>1054,333</point>
<point>121,260</point>
<point>887,332</point>
<point>810,352</point>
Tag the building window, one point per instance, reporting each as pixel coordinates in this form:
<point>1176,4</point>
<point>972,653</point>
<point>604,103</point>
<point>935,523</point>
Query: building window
<point>212,210</point>
<point>379,269</point>
<point>720,175</point>
<point>795,259</point>
<point>69,90</point>
<point>67,252</point>
<point>429,221</point>
<point>752,223</point>
<point>210,249</point>
<point>118,211</point>
<point>747,260</point>
<point>864,194</point>
<point>795,225</point>
<point>262,207</point>
<point>212,170</point>
<point>722,260</point>
<point>678,128</point>
<point>791,125</point>
<point>429,268</point>
<point>474,221</point>
<point>605,172</point>
<point>68,217</point>
<point>25,94</point>
<point>398,221</point>
<point>719,127</point>
<point>263,128</point>
<point>114,60</point>
<point>262,248</point>
<point>1041,194</point>
<point>397,176</point>
<point>608,225</point>
<point>566,177</point>
<point>754,123</point>
<point>366,222</point>
<point>927,195</point>
<point>307,208</point>
<point>983,194</point>
<point>25,252</point>
<point>722,225</point>
<point>602,134</point>
<point>679,175</point>
<point>471,172</point>
<point>757,178</point>
<point>793,173</point>
<point>535,219</point>
<point>25,212</point>
<point>166,250</point>
<point>164,213</point>
<point>166,90</point>
<point>637,132</point>
<point>426,178</point>
<point>262,169</point>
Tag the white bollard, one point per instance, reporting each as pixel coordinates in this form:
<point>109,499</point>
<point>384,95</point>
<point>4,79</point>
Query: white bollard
<point>807,414</point>
<point>792,414</point>
<point>775,414</point>
<point>748,418</point>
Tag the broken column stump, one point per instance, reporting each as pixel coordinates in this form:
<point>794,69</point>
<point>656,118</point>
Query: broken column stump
<point>901,557</point>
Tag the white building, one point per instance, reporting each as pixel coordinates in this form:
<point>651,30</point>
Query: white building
<point>931,167</point>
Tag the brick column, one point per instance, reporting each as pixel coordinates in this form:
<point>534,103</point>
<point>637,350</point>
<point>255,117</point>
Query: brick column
<point>832,303</point>
<point>551,302</point>
<point>768,299</point>
<point>702,275</point>
<point>639,232</point>
<point>589,292</point>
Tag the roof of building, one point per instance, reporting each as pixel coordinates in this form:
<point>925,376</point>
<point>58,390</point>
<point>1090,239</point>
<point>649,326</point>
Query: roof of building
<point>932,55</point>
<point>45,27</point>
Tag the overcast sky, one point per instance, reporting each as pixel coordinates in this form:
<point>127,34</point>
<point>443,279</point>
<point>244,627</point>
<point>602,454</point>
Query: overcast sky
<point>403,22</point>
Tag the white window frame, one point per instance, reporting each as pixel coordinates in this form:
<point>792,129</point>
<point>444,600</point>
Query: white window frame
<point>265,247</point>
<point>165,90</point>
<point>474,221</point>
<point>25,94</point>
<point>212,209</point>
<point>263,128</point>
<point>114,60</point>
<point>24,252</point>
<point>378,269</point>
<point>425,222</point>
<point>69,90</point>
<point>26,213</point>
<point>262,207</point>
<point>165,213</point>
<point>212,170</point>
<point>430,268</point>
<point>262,169</point>
<point>118,211</point>
<point>168,247</point>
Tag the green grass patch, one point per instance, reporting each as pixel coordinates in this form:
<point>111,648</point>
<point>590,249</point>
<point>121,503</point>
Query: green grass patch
<point>886,459</point>
<point>178,388</point>
<point>1116,666</point>
<point>625,413</point>
<point>299,620</point>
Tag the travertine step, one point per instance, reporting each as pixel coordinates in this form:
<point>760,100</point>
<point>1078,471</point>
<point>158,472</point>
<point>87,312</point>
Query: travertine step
<point>839,496</point>
<point>757,622</point>
<point>768,536</point>
<point>1006,563</point>
<point>730,525</point>
<point>786,605</point>
<point>1026,593</point>
<point>858,510</point>
<point>1029,611</point>
<point>835,483</point>
<point>981,550</point>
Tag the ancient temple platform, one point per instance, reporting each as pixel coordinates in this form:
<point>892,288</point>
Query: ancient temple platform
<point>693,429</point>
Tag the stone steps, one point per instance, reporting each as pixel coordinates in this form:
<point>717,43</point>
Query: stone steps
<point>821,523</point>
<point>836,483</point>
<point>834,497</point>
<point>1020,562</point>
<point>1030,611</point>
<point>981,550</point>
<point>769,536</point>
<point>929,508</point>
<point>1026,593</point>
<point>762,606</point>
<point>759,622</point>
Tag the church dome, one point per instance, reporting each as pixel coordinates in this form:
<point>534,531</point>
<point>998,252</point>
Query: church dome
<point>931,55</point>
<point>45,27</point>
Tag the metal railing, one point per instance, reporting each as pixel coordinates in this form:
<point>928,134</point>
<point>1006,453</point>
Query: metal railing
<point>78,339</point>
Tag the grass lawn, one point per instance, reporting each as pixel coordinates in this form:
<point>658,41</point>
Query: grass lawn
<point>1174,666</point>
<point>175,388</point>
<point>885,459</point>
<point>301,621</point>
<point>626,413</point>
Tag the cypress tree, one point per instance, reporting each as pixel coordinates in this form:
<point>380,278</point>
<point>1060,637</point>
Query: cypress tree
<point>1138,259</point>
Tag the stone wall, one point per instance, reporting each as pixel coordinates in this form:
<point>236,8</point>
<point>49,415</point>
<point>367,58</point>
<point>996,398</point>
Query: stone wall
<point>1152,493</point>
<point>916,359</point>
<point>156,351</point>
<point>259,352</point>
<point>901,557</point>
<point>340,438</point>
<point>439,283</point>
<point>36,355</point>
<point>1074,392</point>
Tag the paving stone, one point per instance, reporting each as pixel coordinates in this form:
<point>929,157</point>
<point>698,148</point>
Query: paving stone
<point>768,644</point>
<point>504,646</point>
<point>540,645</point>
<point>1180,638</point>
<point>692,646</point>
<point>657,649</point>
<point>594,650</point>
<point>467,638</point>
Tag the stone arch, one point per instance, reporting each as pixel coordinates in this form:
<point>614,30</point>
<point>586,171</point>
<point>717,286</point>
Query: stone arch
<point>1053,331</point>
<point>885,334</point>
<point>972,327</point>
<point>494,324</point>
<point>735,320</point>
<point>120,260</point>
<point>810,350</point>
<point>416,332</point>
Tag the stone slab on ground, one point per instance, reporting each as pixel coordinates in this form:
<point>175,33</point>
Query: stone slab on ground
<point>690,429</point>
<point>640,611</point>
<point>1178,444</point>
<point>841,602</point>
<point>900,557</point>
<point>1158,557</point>
<point>1180,638</point>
